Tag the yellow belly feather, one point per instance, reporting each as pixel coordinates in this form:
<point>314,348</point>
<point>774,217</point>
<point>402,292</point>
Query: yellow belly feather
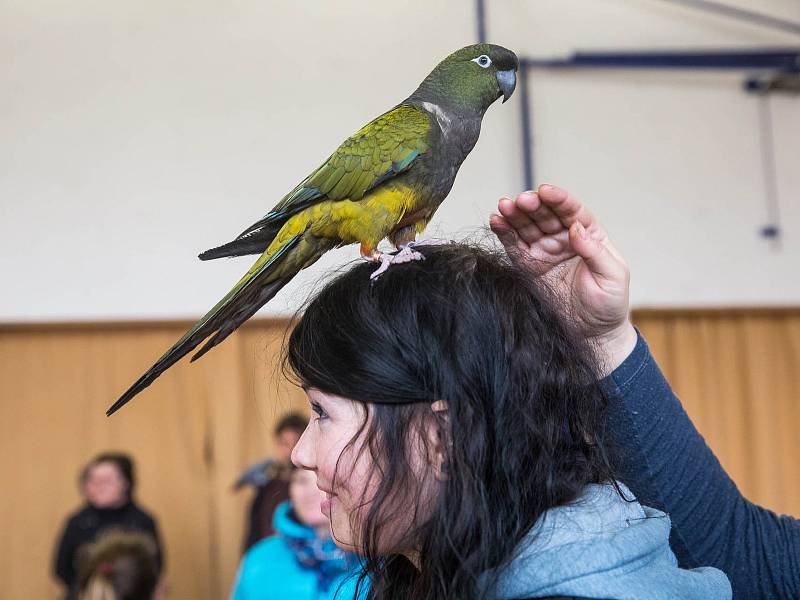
<point>365,222</point>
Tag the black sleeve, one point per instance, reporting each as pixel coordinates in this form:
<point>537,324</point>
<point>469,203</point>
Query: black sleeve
<point>254,534</point>
<point>160,557</point>
<point>63,564</point>
<point>668,465</point>
<point>151,527</point>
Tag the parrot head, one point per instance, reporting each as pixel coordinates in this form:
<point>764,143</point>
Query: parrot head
<point>472,78</point>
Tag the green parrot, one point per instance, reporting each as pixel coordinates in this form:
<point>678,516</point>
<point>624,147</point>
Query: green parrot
<point>386,181</point>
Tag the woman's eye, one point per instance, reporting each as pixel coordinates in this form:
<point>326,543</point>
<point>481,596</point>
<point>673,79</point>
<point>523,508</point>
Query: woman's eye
<point>483,60</point>
<point>317,410</point>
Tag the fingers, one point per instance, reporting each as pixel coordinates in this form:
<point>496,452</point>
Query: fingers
<point>541,256</point>
<point>519,216</point>
<point>504,231</point>
<point>553,225</point>
<point>599,255</point>
<point>549,211</point>
<point>567,208</point>
<point>541,214</point>
<point>531,219</point>
<point>529,204</point>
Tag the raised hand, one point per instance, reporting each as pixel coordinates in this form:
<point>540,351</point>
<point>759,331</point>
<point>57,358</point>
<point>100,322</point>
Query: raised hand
<point>559,239</point>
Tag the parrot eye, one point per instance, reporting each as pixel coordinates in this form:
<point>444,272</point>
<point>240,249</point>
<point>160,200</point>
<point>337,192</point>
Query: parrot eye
<point>483,61</point>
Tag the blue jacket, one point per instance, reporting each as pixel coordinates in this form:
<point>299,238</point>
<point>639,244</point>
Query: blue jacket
<point>272,570</point>
<point>605,546</point>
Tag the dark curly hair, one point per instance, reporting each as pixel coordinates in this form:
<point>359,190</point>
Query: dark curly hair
<point>525,426</point>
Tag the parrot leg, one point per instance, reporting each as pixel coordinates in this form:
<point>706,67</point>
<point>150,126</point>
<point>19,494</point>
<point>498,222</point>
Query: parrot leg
<point>403,236</point>
<point>404,255</point>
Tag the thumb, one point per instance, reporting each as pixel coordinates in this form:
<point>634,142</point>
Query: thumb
<point>601,262</point>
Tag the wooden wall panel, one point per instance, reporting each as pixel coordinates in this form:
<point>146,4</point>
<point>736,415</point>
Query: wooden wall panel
<point>191,433</point>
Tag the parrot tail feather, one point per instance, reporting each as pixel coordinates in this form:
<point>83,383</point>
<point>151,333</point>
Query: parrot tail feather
<point>240,303</point>
<point>252,243</point>
<point>264,295</point>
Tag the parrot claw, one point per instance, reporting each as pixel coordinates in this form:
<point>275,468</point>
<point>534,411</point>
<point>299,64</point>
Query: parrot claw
<point>407,254</point>
<point>385,260</point>
<point>404,255</point>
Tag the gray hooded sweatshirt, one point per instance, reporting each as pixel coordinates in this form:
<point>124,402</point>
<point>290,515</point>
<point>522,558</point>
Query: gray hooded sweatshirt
<point>602,546</point>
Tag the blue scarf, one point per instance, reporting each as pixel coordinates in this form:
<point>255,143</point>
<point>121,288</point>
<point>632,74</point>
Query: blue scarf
<point>321,556</point>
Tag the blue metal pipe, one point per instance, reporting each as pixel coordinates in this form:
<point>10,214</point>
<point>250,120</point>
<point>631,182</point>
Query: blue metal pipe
<point>481,17</point>
<point>782,60</point>
<point>526,126</point>
<point>786,60</point>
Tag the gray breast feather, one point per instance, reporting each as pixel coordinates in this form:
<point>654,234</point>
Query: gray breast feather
<point>459,132</point>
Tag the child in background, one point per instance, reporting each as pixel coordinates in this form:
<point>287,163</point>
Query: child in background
<point>300,561</point>
<point>120,566</point>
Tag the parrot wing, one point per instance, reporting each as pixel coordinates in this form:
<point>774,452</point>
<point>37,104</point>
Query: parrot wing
<point>382,149</point>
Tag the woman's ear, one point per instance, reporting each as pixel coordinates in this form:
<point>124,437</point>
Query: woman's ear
<point>439,437</point>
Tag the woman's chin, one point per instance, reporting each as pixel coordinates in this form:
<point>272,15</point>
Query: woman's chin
<point>340,533</point>
<point>347,546</point>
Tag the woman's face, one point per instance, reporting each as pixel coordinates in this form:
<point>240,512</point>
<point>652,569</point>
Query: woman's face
<point>307,498</point>
<point>335,423</point>
<point>105,486</point>
<point>331,446</point>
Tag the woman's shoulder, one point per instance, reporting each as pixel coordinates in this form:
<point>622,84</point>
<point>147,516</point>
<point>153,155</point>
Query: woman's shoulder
<point>605,545</point>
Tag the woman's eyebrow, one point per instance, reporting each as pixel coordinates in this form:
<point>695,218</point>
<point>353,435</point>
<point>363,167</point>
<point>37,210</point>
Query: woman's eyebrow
<point>312,393</point>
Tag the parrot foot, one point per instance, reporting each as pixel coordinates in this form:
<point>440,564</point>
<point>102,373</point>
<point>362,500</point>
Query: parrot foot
<point>407,254</point>
<point>404,255</point>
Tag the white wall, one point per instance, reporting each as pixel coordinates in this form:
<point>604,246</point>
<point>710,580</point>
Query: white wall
<point>135,134</point>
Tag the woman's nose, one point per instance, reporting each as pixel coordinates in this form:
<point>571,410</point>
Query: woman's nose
<point>303,452</point>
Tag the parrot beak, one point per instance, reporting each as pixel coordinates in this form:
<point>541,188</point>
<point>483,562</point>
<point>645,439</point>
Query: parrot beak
<point>507,80</point>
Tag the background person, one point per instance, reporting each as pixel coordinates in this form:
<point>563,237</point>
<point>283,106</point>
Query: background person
<point>107,484</point>
<point>120,565</point>
<point>300,561</point>
<point>271,479</point>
